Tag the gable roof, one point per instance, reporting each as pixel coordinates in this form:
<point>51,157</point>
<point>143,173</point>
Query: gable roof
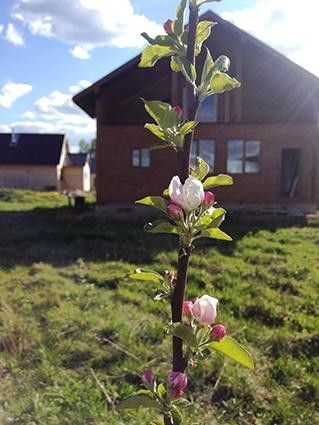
<point>87,97</point>
<point>76,159</point>
<point>31,149</point>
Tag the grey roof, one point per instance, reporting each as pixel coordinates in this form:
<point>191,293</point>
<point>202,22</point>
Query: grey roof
<point>76,159</point>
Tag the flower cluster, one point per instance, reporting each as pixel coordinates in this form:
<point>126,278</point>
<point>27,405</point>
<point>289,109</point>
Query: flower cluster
<point>187,197</point>
<point>188,204</point>
<point>176,383</point>
<point>204,310</point>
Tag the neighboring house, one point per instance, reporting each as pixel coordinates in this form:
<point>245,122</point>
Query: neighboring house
<point>39,162</point>
<point>264,134</point>
<point>76,172</point>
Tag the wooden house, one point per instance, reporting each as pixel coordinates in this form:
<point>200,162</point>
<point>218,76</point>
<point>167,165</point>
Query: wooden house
<point>41,162</point>
<point>265,134</point>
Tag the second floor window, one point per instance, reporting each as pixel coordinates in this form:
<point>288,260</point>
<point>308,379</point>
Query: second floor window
<point>141,158</point>
<point>208,110</point>
<point>243,156</point>
<point>206,150</point>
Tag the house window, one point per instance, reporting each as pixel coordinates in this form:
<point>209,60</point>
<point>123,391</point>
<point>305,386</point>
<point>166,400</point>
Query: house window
<point>141,158</point>
<point>206,150</point>
<point>243,156</point>
<point>208,110</point>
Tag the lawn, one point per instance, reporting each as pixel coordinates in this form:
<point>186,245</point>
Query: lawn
<point>75,333</point>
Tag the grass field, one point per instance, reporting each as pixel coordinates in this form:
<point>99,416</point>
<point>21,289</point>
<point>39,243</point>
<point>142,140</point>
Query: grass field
<point>68,316</point>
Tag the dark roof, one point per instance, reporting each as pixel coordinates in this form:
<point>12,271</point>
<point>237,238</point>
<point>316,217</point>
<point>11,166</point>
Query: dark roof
<point>86,98</point>
<point>31,149</point>
<point>76,159</point>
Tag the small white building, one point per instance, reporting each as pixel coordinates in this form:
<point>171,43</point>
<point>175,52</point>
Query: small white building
<point>41,162</point>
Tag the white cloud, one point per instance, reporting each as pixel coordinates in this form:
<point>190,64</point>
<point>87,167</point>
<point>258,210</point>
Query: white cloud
<point>1,28</point>
<point>86,24</point>
<point>13,35</point>
<point>83,84</point>
<point>80,52</point>
<point>285,25</point>
<point>10,92</point>
<point>29,114</point>
<point>57,113</point>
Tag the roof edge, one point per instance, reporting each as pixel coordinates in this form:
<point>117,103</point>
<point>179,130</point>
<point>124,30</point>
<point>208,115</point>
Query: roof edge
<point>95,87</point>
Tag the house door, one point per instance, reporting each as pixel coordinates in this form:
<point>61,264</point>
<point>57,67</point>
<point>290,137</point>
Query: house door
<point>290,172</point>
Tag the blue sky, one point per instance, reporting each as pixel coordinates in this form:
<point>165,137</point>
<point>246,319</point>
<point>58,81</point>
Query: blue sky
<point>51,49</point>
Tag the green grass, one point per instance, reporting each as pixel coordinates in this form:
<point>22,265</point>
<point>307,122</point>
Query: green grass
<point>66,309</point>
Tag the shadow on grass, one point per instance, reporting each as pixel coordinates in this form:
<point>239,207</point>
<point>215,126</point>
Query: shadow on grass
<point>60,236</point>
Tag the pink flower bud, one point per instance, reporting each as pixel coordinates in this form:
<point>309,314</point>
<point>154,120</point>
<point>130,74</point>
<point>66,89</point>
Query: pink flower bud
<point>174,211</point>
<point>187,307</point>
<point>209,199</point>
<point>177,381</point>
<point>178,111</point>
<point>148,376</point>
<point>205,309</point>
<point>177,393</point>
<point>218,332</point>
<point>168,26</point>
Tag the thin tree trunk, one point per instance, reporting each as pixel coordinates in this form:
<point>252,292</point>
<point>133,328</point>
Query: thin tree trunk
<point>179,362</point>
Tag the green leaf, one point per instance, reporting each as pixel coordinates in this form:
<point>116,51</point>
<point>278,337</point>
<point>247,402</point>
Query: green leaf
<point>202,334</point>
<point>176,415</point>
<point>215,233</point>
<point>162,113</point>
<point>156,130</point>
<point>178,24</point>
<point>188,70</point>
<point>153,53</point>
<point>183,332</point>
<point>203,31</point>
<point>232,349</point>
<point>201,169</point>
<point>147,275</point>
<point>175,65</point>
<point>153,201</point>
<point>139,400</point>
<point>188,127</point>
<point>207,69</point>
<point>161,390</point>
<point>212,219</point>
<point>161,226</point>
<point>220,180</point>
<point>160,40</point>
<point>182,402</point>
<point>217,217</point>
<point>222,82</point>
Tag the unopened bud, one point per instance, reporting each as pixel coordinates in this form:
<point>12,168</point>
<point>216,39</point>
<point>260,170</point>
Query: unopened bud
<point>177,381</point>
<point>187,307</point>
<point>209,199</point>
<point>168,26</point>
<point>148,376</point>
<point>179,111</point>
<point>174,211</point>
<point>218,332</point>
<point>177,393</point>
